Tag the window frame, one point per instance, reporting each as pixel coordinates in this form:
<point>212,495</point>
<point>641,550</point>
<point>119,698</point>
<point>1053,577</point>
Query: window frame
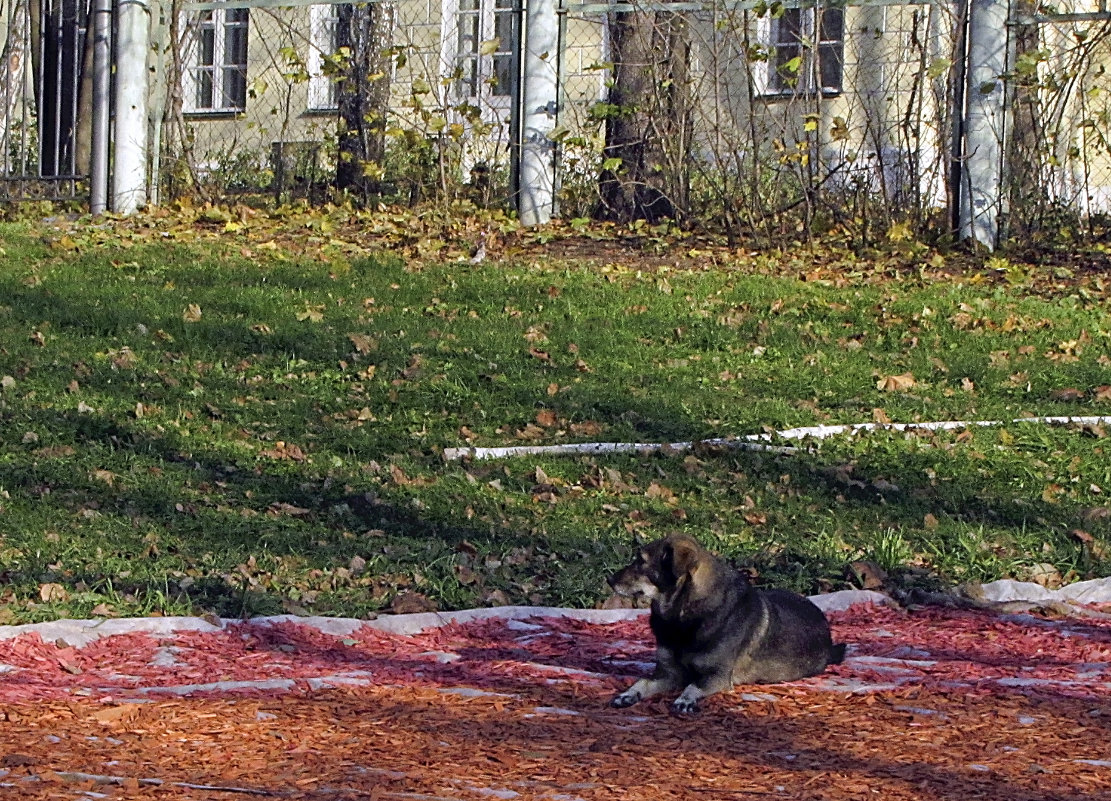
<point>468,25</point>
<point>771,83</point>
<point>221,69</point>
<point>323,41</point>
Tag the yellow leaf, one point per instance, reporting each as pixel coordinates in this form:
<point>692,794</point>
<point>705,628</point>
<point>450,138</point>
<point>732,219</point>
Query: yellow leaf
<point>312,313</point>
<point>899,232</point>
<point>192,313</point>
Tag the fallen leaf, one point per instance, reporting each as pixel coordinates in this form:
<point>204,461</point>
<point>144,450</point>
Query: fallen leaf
<point>496,598</point>
<point>53,592</point>
<point>283,451</point>
<point>363,343</point>
<point>868,575</point>
<point>413,370</point>
<point>192,313</point>
<point>1068,394</point>
<point>313,313</point>
<point>115,715</point>
<point>1044,574</point>
<point>531,432</point>
<point>282,509</point>
<point>107,476</point>
<point>896,383</point>
<point>407,603</point>
<point>659,491</point>
<point>587,428</point>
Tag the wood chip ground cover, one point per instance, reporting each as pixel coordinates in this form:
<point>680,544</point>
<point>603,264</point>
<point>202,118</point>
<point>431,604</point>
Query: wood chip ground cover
<point>930,704</point>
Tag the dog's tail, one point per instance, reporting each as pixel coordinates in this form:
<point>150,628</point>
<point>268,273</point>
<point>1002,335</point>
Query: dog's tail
<point>837,654</point>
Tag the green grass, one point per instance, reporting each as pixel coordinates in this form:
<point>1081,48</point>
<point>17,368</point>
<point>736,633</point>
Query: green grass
<point>281,452</point>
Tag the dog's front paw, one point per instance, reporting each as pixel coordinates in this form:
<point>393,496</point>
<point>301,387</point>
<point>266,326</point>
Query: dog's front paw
<point>627,698</point>
<point>684,706</point>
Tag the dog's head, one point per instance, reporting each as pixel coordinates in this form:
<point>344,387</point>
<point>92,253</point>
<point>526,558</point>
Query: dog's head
<point>660,568</point>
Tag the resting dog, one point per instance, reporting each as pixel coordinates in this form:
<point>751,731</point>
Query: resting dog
<point>714,630</point>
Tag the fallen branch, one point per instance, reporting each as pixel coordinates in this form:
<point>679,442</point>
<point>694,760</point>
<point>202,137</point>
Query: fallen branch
<point>751,442</point>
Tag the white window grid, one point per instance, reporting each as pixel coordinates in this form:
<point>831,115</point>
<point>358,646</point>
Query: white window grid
<point>816,37</point>
<point>480,41</point>
<point>215,78</point>
<point>323,42</point>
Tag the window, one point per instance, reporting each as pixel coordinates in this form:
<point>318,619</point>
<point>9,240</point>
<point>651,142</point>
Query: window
<point>806,51</point>
<point>481,50</point>
<point>323,42</point>
<point>216,64</point>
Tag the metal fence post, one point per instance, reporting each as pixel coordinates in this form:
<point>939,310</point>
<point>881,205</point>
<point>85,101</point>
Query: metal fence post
<point>981,197</point>
<point>129,145</point>
<point>539,85</point>
<point>102,72</point>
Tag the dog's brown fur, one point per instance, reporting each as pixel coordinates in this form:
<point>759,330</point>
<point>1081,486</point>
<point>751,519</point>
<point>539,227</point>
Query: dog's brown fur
<point>714,630</point>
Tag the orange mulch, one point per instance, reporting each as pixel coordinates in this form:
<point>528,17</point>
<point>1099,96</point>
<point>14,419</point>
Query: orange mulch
<point>549,742</point>
<point>930,706</point>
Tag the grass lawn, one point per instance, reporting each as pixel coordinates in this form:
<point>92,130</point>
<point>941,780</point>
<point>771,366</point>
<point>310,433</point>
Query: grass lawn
<point>218,426</point>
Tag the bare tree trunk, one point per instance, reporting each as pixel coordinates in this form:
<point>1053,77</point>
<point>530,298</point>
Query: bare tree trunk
<point>364,95</point>
<point>13,73</point>
<point>1026,144</point>
<point>649,121</point>
<point>83,136</point>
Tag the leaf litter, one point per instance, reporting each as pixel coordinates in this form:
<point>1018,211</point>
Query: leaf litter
<point>930,703</point>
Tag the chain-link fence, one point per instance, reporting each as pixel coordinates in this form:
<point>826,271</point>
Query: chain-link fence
<point>1059,159</point>
<point>747,116</point>
<point>411,97</point>
<point>764,113</point>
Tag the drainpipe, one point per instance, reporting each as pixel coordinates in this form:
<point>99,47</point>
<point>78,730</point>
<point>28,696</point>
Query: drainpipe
<point>102,88</point>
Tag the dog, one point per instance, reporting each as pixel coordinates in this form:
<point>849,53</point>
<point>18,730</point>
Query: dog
<point>714,630</point>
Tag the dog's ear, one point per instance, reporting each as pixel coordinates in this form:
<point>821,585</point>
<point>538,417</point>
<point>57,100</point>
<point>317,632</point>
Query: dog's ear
<point>685,556</point>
